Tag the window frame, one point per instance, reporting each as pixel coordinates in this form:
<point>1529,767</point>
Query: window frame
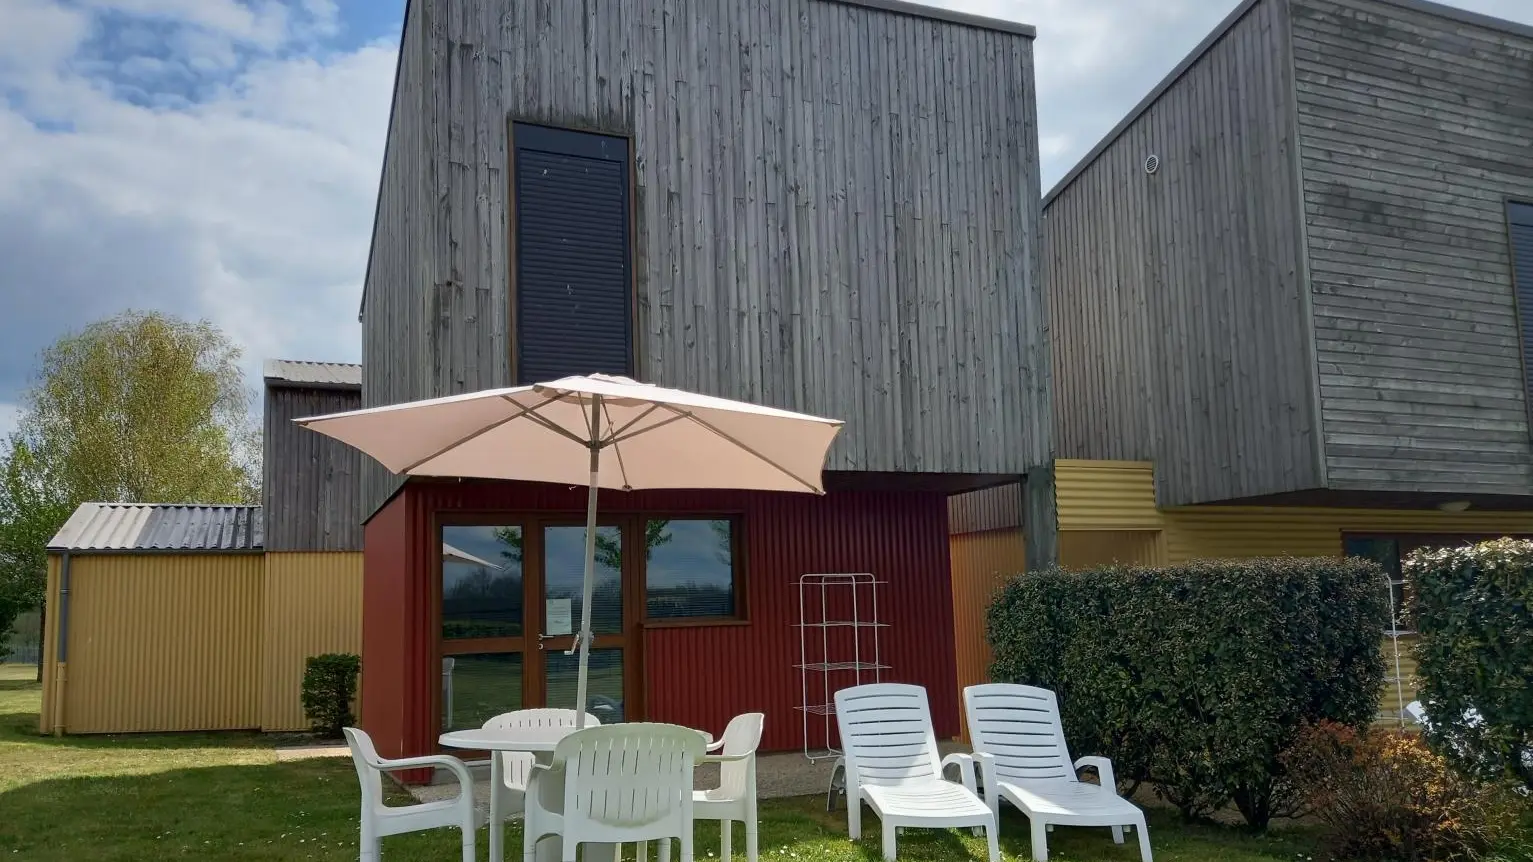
<point>635,330</point>
<point>738,571</point>
<point>1520,314</point>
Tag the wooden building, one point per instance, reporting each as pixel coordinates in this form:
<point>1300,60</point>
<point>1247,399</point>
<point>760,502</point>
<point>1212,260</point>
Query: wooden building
<point>1289,297</point>
<point>1287,276</point>
<point>828,206</point>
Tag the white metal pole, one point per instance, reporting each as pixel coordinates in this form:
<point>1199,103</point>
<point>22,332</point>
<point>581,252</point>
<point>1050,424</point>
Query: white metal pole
<point>583,640</point>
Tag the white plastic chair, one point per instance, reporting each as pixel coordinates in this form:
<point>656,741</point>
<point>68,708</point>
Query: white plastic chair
<point>735,797</point>
<point>1019,743</point>
<point>379,820</point>
<point>891,762</point>
<point>610,785</point>
<point>516,766</point>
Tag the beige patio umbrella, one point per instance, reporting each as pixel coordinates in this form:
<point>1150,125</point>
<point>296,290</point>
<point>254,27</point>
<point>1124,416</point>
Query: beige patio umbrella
<point>558,432</point>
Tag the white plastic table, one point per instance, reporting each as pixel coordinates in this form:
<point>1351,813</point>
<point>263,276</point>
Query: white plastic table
<point>539,741</point>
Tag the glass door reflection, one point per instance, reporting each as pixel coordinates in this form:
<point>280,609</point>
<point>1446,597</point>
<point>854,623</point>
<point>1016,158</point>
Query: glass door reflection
<point>563,579</point>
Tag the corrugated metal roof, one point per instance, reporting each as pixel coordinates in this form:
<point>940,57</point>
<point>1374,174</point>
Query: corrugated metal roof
<point>327,374</point>
<point>160,527</point>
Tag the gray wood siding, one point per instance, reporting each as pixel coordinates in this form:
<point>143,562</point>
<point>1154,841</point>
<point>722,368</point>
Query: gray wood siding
<point>311,489</point>
<point>835,211</point>
<point>1415,129</point>
<point>1178,319</point>
<point>405,286</point>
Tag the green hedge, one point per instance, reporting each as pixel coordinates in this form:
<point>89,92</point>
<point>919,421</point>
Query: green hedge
<point>329,688</point>
<point>1474,609</point>
<point>1194,678</point>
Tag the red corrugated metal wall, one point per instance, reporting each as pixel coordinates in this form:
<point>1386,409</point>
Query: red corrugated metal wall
<point>699,677</point>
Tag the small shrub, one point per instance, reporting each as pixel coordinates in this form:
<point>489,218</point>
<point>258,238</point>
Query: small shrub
<point>1385,795</point>
<point>329,689</point>
<point>1474,608</point>
<point>1195,677</point>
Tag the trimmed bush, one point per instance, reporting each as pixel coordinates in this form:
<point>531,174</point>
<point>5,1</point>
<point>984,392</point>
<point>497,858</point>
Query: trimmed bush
<point>1384,795</point>
<point>329,689</point>
<point>1195,677</point>
<point>1474,608</point>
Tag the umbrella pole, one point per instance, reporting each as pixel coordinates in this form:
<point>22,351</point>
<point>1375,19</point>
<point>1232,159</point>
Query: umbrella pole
<point>589,585</point>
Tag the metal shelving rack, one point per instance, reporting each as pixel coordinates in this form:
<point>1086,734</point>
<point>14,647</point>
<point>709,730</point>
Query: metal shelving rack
<point>816,593</point>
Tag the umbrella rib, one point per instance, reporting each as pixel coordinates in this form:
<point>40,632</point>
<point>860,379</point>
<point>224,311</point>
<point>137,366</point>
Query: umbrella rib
<point>524,411</point>
<point>559,429</point>
<point>679,415</point>
<point>768,461</point>
<point>616,434</point>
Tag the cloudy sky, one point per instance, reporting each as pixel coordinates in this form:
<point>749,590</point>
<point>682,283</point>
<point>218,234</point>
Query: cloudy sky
<point>219,158</point>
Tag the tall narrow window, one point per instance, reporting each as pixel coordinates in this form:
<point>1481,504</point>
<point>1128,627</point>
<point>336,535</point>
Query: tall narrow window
<point>573,297</point>
<point>1519,217</point>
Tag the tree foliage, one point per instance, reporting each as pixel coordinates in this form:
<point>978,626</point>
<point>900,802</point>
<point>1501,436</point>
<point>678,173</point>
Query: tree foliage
<point>142,408</point>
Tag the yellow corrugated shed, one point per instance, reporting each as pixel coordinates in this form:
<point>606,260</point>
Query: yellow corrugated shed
<point>157,642</point>
<point>313,605</point>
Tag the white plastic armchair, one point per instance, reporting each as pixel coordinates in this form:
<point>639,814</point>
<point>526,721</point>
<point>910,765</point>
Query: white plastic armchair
<point>616,784</point>
<point>1019,744</point>
<point>516,766</point>
<point>379,820</point>
<point>891,763</point>
<point>735,797</point>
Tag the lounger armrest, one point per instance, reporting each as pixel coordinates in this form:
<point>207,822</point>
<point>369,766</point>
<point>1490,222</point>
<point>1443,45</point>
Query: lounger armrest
<point>965,764</point>
<point>726,758</point>
<point>1103,766</point>
<point>447,762</point>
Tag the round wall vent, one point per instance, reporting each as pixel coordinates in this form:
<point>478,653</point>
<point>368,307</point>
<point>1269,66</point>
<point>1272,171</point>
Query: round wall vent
<point>1152,164</point>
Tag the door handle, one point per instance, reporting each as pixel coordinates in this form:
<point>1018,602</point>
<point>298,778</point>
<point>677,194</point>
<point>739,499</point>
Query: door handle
<point>542,638</point>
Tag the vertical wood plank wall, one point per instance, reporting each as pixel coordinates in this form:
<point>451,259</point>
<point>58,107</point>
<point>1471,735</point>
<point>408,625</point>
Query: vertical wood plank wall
<point>1415,131</point>
<point>835,212</point>
<point>403,274</point>
<point>1179,328</point>
<point>312,484</point>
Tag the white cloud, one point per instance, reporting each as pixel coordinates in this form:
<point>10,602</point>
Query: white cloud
<point>250,205</point>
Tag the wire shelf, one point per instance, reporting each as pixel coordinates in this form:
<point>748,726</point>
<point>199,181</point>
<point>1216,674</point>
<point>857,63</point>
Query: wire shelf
<point>826,602</point>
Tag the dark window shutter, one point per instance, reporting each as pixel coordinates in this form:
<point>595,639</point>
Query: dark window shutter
<point>574,302</point>
<point>1520,217</point>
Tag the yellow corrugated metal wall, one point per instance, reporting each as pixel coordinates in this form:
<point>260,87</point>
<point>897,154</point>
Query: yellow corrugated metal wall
<point>312,604</point>
<point>981,562</point>
<point>1083,549</point>
<point>51,670</point>
<point>163,643</point>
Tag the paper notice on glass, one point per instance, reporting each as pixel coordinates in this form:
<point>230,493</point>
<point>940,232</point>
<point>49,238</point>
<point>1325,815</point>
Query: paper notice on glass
<point>556,618</point>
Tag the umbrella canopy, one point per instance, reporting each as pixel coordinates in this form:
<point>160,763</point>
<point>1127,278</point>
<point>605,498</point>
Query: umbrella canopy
<point>600,431</point>
<point>652,437</point>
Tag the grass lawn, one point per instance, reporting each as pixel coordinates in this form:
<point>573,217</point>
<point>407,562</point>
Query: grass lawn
<point>224,796</point>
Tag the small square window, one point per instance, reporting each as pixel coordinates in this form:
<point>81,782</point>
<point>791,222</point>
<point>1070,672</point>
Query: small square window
<point>691,570</point>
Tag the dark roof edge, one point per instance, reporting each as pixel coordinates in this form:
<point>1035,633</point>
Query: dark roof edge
<point>383,163</point>
<point>953,16</point>
<point>1427,7</point>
